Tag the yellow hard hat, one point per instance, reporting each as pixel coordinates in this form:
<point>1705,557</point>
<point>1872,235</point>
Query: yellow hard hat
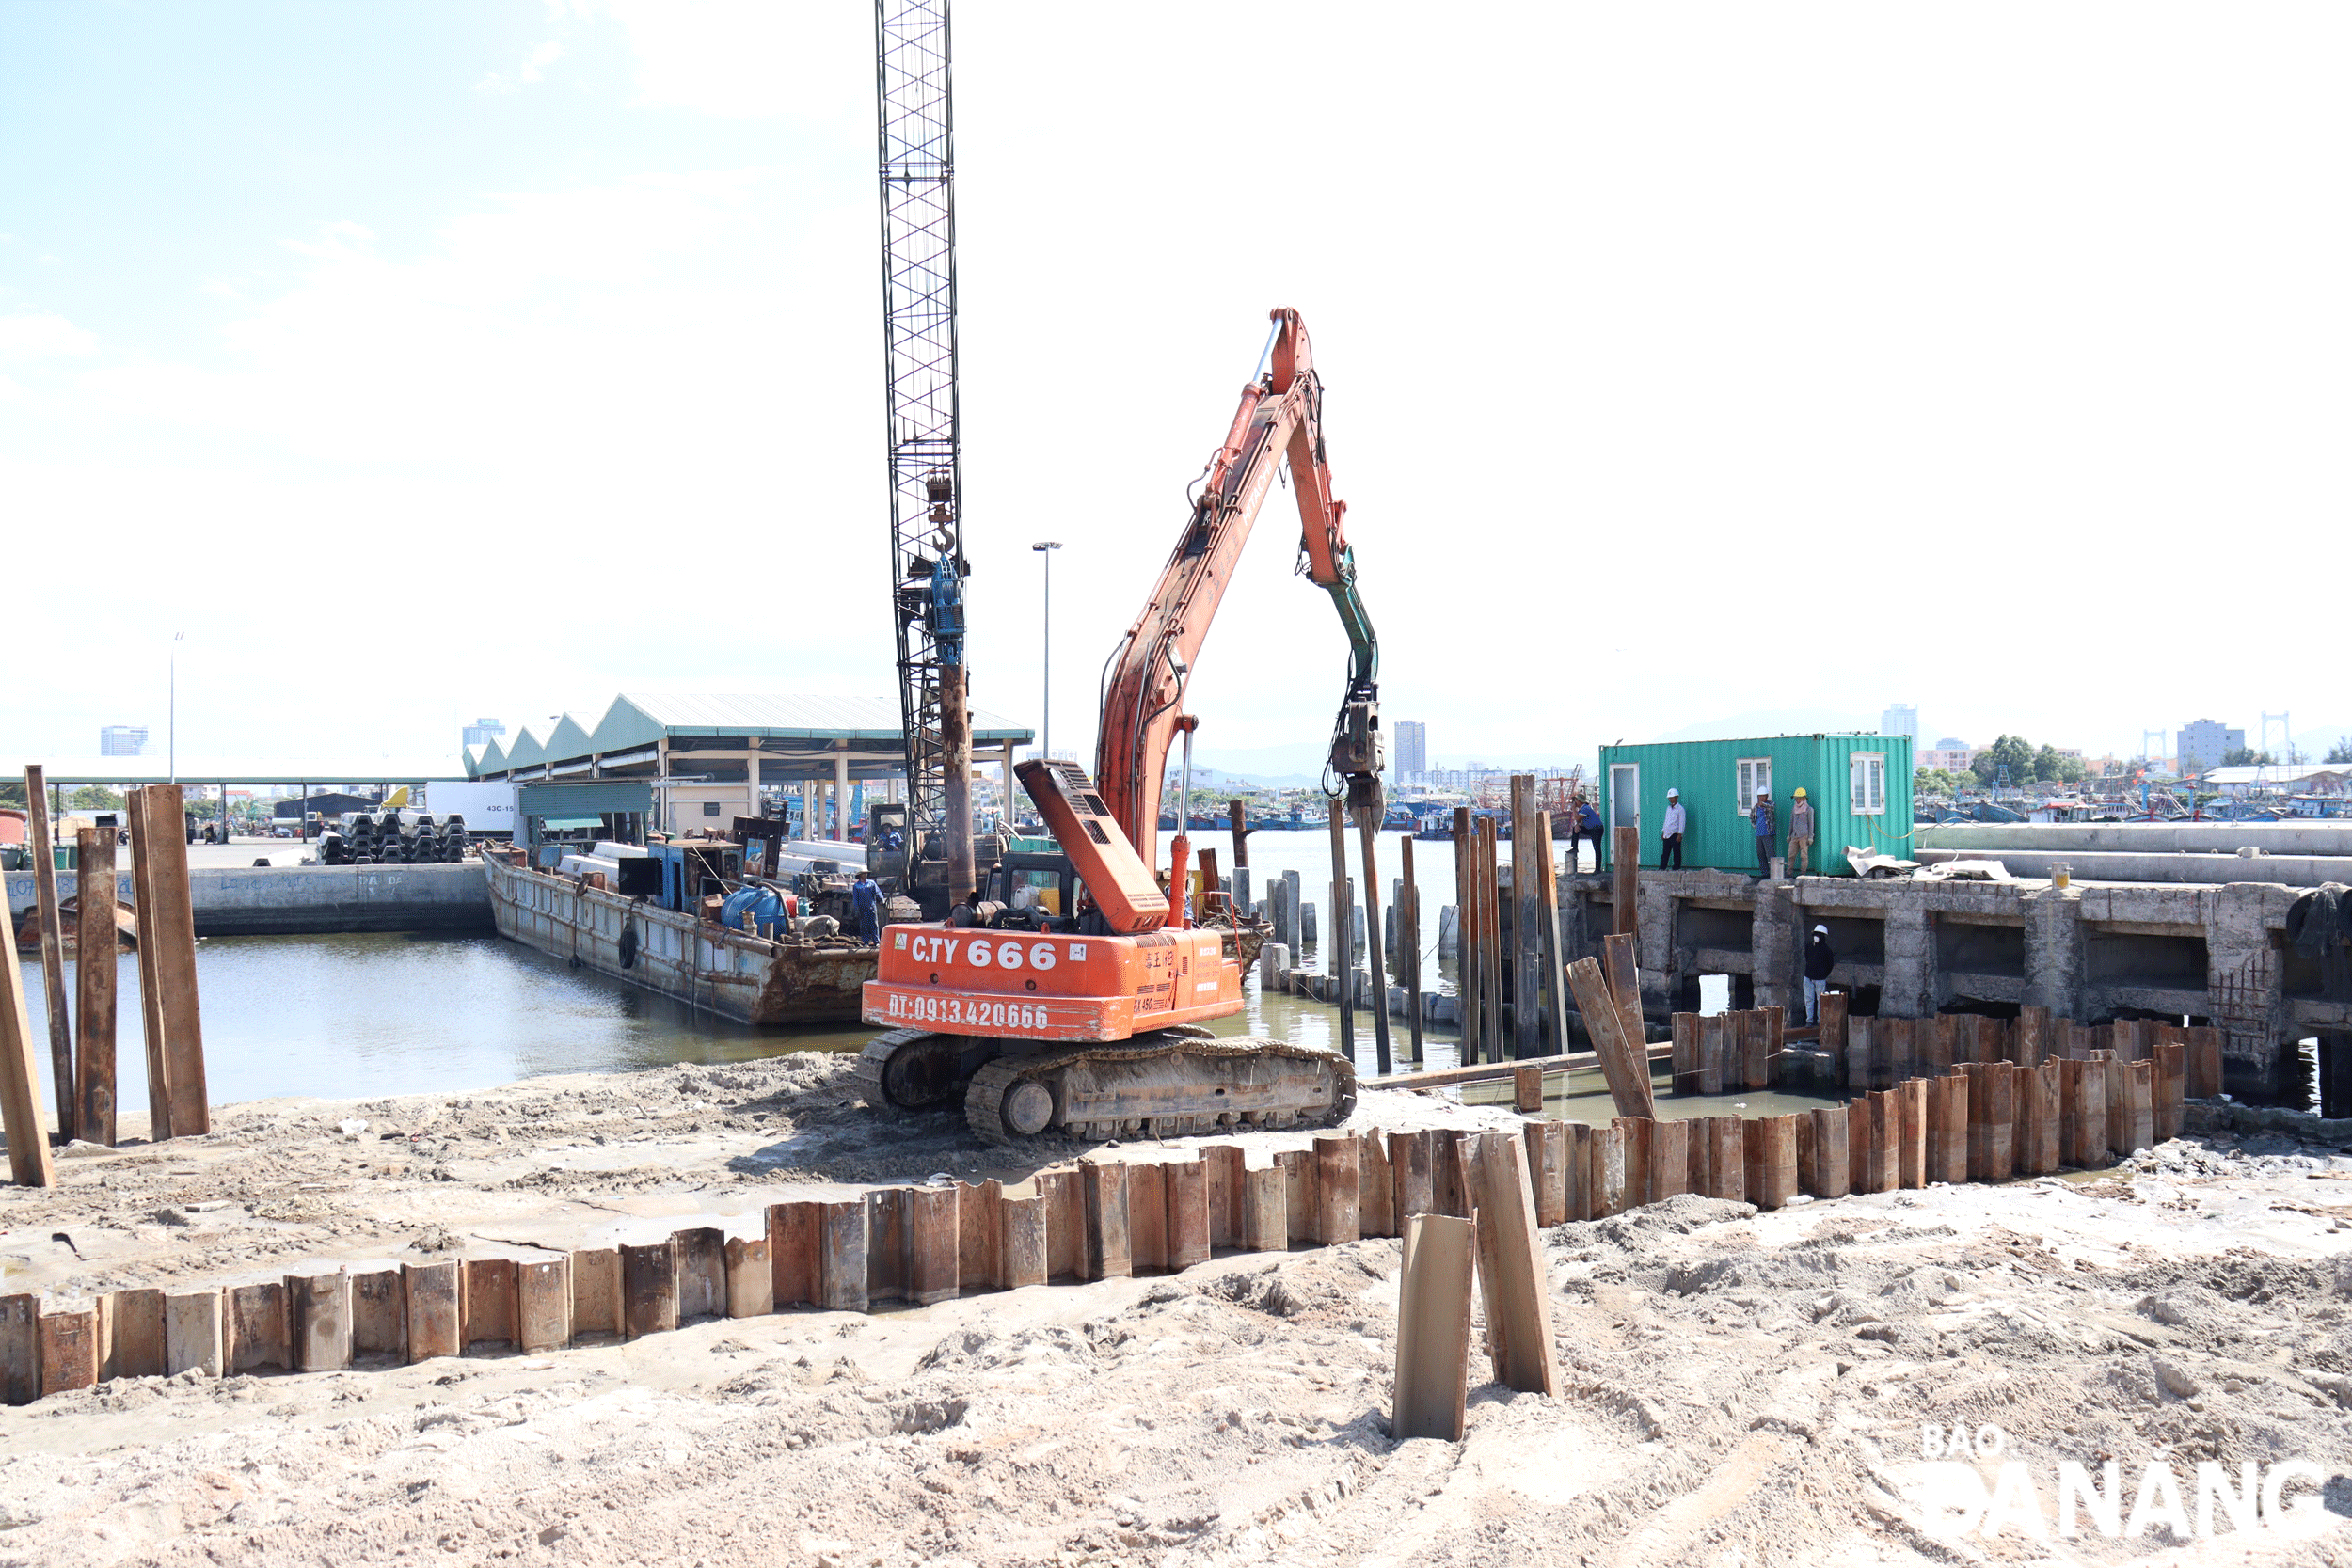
<point>1801,792</point>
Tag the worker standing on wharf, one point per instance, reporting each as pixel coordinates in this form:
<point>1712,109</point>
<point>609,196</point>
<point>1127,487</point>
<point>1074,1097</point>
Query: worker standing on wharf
<point>1800,835</point>
<point>1819,961</point>
<point>1764,828</point>
<point>1588,826</point>
<point>1670,833</point>
<point>866,899</point>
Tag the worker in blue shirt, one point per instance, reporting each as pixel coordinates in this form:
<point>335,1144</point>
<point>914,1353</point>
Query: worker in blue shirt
<point>866,899</point>
<point>1588,826</point>
<point>1764,829</point>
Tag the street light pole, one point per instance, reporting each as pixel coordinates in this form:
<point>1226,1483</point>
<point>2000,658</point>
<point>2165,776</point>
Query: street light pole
<point>1046,547</point>
<point>172,710</point>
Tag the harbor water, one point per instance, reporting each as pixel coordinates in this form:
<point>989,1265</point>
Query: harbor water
<point>361,1016</point>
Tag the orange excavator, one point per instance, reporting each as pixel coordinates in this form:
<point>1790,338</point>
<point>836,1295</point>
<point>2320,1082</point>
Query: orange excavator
<point>1091,1023</point>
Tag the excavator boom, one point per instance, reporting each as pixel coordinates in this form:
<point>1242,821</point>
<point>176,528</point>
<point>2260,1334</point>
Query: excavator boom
<point>1279,423</point>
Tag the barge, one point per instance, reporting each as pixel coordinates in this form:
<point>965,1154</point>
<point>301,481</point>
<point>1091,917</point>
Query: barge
<point>786,977</point>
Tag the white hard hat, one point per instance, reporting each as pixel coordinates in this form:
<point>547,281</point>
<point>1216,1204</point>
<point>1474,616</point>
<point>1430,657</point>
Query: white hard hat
<point>1673,794</point>
<point>1821,930</point>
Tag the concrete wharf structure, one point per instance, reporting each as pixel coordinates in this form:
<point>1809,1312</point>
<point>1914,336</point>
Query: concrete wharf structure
<point>2213,951</point>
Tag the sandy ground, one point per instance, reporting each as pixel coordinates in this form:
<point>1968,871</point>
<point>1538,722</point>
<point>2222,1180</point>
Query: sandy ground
<point>1740,1388</point>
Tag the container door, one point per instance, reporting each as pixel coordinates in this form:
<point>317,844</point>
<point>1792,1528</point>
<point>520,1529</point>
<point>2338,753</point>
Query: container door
<point>1625,795</point>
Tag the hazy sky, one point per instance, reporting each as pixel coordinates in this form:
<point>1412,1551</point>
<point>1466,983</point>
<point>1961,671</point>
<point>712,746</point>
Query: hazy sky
<point>479,356</point>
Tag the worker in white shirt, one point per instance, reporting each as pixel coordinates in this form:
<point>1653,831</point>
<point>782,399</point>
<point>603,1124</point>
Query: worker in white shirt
<point>1670,856</point>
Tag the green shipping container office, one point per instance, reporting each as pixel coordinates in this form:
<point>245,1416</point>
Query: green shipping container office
<point>1859,786</point>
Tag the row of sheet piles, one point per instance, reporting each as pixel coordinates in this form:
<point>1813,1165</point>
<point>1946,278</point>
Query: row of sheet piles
<point>1715,1052</point>
<point>1881,1052</point>
<point>1985,1121</point>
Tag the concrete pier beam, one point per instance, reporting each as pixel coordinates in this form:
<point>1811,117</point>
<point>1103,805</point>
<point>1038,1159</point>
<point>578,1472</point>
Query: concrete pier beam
<point>2054,951</point>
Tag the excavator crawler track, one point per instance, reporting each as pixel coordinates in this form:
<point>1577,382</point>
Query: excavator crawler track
<point>905,1071</point>
<point>1167,1083</point>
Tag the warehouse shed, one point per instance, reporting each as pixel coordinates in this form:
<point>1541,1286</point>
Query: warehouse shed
<point>1859,786</point>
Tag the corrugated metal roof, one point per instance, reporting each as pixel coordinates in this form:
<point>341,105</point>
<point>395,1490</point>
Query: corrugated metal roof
<point>833,718</point>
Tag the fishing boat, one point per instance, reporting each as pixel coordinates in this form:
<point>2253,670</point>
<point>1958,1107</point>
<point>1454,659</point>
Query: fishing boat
<point>680,918</point>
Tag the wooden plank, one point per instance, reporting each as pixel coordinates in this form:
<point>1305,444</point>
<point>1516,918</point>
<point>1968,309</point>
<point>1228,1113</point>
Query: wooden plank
<point>649,1287</point>
<point>1375,1186</point>
<point>1547,1165</point>
<point>543,1300</point>
<point>1528,877</point>
<point>1608,1165</point>
<point>1553,959</point>
<point>795,1232</point>
<point>1298,1177</point>
<point>1022,1248</point>
<point>1466,909</point>
<point>1628,1085</point>
<point>435,1327</point>
<point>1107,1245</point>
<point>1636,1133</point>
<point>1777,1166</point>
<point>934,1239</point>
<point>1861,1053</point>
<point>151,984</point>
<point>1718,1037</point>
<point>1684,1029</point>
<point>2204,1062</point>
<point>20,1347</point>
<point>980,1230</point>
<point>1227,1193</point>
<point>45,905</point>
<point>1065,1223</point>
<point>1886,1133</point>
<point>1830,1174</point>
<point>1951,1097</point>
<point>600,1305</point>
<point>885,1245</point>
<point>1727,1158</point>
<point>1527,1089</point>
<point>841,1262</point>
<point>1832,1037</point>
<point>1775,1043</point>
<point>750,1277</point>
<point>318,1321</point>
<point>94,968</point>
<point>1669,1159</point>
<point>1439,1078</point>
<point>1752,1179</point>
<point>1755,1051</point>
<point>1510,1270</point>
<point>1911,1150</point>
<point>173,931</point>
<point>1700,1142</point>
<point>1266,1213</point>
<point>2171,1070</point>
<point>485,1302</point>
<point>2038,1154</point>
<point>254,1328</point>
<point>379,1313</point>
<point>2033,1035</point>
<point>20,1116</point>
<point>1625,985</point>
<point>1433,1328</point>
<point>68,1340</point>
<point>702,1272</point>
<point>131,1333</point>
<point>1582,1194</point>
<point>2139,1078</point>
<point>1186,1183</point>
<point>193,1340</point>
<point>1408,960</point>
<point>1337,1207</point>
<point>1999,1084</point>
<point>1858,1140</point>
<point>1147,1218</point>
<point>1625,882</point>
<point>1943,1046</point>
<point>1412,1174</point>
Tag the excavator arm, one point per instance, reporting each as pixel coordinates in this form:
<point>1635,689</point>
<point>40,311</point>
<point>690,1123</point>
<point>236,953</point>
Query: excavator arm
<point>1280,422</point>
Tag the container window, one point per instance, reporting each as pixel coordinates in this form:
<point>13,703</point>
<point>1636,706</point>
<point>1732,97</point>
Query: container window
<point>710,808</point>
<point>1756,778</point>
<point>1867,771</point>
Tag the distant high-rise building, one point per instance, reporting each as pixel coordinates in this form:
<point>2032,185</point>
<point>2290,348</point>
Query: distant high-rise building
<point>482,731</point>
<point>1412,748</point>
<point>2204,743</point>
<point>1901,719</point>
<point>122,741</point>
